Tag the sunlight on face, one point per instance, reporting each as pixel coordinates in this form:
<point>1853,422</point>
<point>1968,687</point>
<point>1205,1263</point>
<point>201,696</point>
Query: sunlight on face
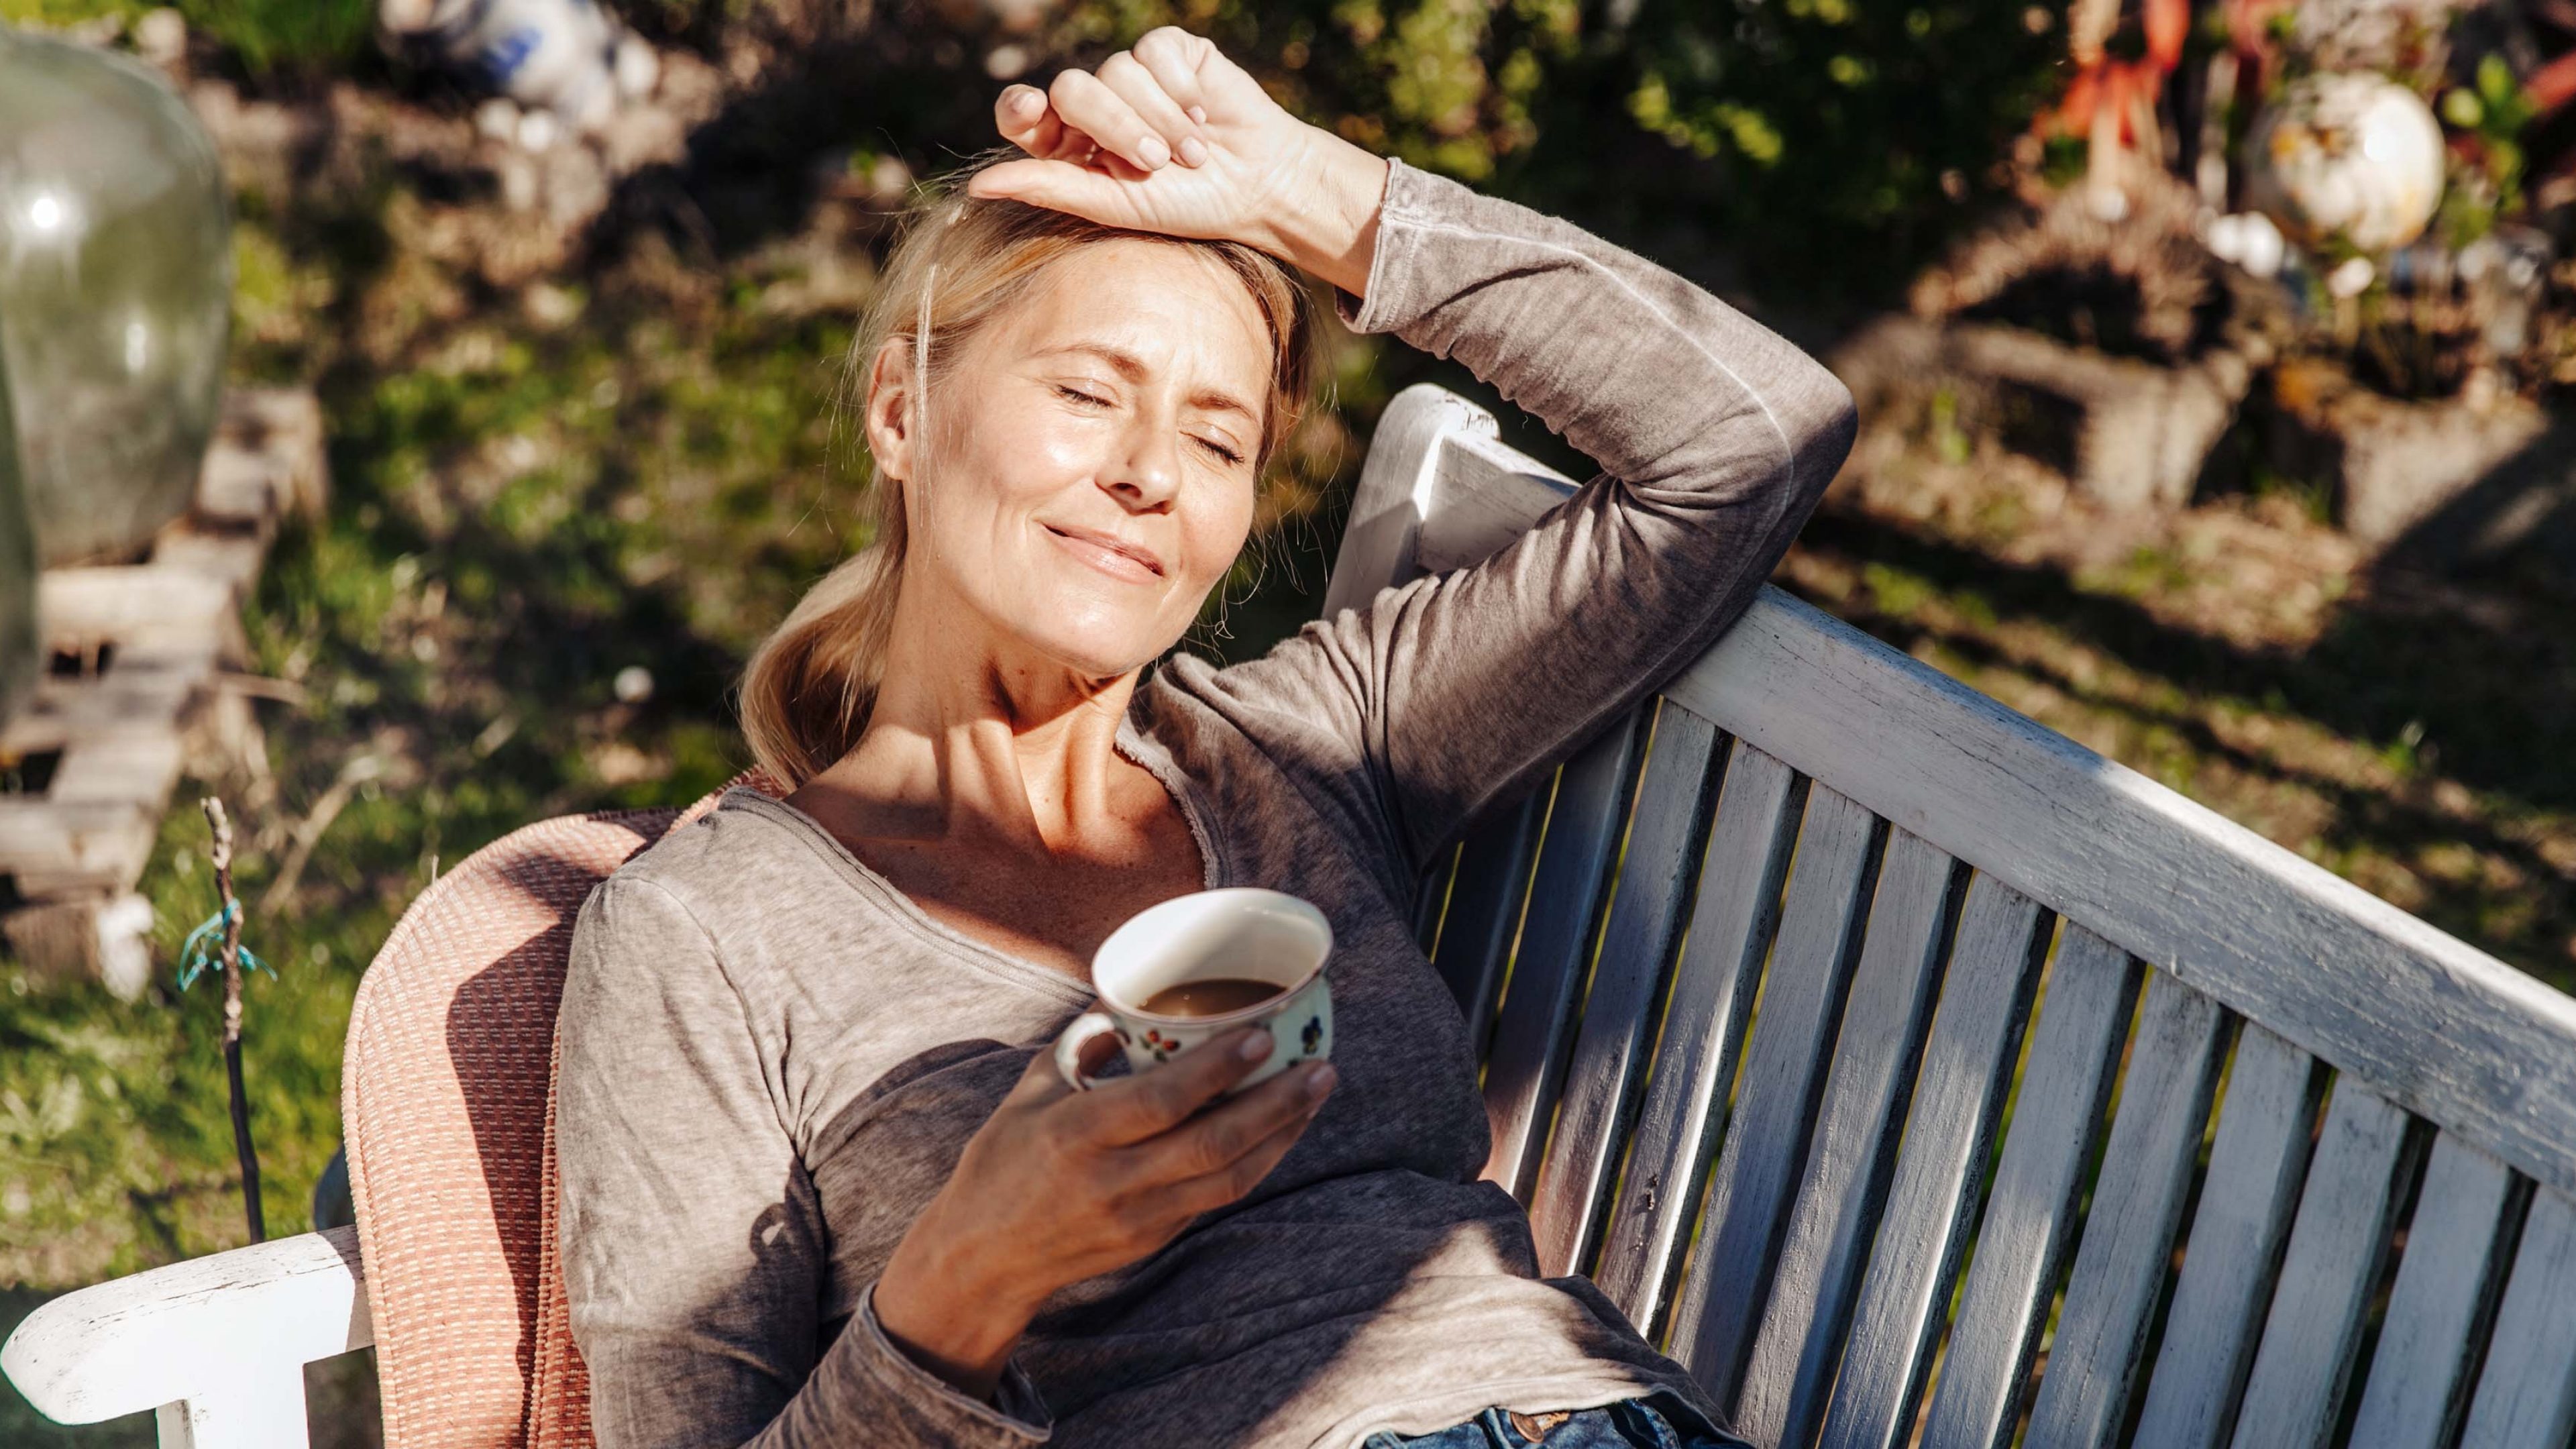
<point>1094,472</point>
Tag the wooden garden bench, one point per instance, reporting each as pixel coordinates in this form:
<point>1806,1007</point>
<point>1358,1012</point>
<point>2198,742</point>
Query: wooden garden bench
<point>1905,1068</point>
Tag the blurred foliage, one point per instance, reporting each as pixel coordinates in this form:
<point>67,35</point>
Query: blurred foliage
<point>297,40</point>
<point>1760,125</point>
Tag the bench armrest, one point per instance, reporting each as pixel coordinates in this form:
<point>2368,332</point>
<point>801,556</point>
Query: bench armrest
<point>218,1344</point>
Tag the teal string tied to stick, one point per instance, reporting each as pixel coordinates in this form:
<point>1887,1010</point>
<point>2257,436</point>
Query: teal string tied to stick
<point>203,950</point>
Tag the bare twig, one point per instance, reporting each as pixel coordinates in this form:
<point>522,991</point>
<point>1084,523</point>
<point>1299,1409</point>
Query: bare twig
<point>222,855</point>
<point>358,771</point>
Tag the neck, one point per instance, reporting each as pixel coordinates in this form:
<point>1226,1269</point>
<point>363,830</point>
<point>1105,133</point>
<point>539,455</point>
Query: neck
<point>972,742</point>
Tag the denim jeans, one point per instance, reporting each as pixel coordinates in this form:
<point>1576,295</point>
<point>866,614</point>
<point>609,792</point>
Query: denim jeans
<point>1656,1422</point>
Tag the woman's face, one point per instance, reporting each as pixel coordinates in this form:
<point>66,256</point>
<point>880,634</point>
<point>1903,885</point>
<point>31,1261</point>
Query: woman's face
<point>1093,471</point>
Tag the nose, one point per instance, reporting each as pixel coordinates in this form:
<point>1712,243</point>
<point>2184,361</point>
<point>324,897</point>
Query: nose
<point>1144,471</point>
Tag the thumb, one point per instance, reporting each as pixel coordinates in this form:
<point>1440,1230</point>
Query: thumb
<point>1056,185</point>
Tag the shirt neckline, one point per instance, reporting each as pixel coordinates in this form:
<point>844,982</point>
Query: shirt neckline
<point>1215,868</point>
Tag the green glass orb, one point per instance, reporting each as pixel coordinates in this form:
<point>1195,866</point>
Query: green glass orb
<point>115,293</point>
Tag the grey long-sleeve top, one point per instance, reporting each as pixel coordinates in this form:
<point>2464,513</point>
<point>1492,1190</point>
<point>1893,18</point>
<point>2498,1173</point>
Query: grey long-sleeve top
<point>772,1058</point>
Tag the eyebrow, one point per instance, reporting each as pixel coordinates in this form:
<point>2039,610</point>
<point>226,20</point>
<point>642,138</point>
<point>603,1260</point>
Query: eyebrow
<point>1132,368</point>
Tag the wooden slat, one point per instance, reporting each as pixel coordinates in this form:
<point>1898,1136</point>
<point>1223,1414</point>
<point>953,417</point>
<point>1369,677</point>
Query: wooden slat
<point>1527,1062</point>
<point>1784,1074</point>
<point>2255,1169</point>
<point>1730,928</point>
<point>2057,1117</point>
<point>1431,902</point>
<point>2129,1229</point>
<point>2337,1244</point>
<point>1656,871</point>
<point>1484,914</point>
<point>1967,1068</point>
<point>1797,1340</point>
<point>2526,1395</point>
<point>2445,1285</point>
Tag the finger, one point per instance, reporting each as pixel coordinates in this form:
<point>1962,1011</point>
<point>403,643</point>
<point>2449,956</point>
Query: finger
<point>1039,1082</point>
<point>1173,56</point>
<point>1215,1138</point>
<point>1024,118</point>
<point>1143,91</point>
<point>1228,1184</point>
<point>1088,105</point>
<point>1154,1103</point>
<point>1067,186</point>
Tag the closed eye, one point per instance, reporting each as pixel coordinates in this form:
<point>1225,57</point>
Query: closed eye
<point>1221,450</point>
<point>1079,395</point>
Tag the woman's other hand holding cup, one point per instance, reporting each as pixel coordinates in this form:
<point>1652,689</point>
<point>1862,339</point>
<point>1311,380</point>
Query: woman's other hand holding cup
<point>1059,1186</point>
<point>1171,136</point>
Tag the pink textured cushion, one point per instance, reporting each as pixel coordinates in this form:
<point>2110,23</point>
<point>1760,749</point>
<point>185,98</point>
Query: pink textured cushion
<point>447,1100</point>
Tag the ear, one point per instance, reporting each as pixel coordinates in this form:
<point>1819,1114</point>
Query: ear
<point>889,416</point>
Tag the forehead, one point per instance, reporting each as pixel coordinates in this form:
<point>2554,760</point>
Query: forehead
<point>1176,308</point>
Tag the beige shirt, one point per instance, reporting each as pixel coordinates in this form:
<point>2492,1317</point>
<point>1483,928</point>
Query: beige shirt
<point>772,1058</point>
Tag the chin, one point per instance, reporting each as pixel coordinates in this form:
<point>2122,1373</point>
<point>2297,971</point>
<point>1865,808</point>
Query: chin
<point>1099,644</point>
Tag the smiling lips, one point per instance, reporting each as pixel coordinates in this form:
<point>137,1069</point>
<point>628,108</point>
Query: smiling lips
<point>1117,557</point>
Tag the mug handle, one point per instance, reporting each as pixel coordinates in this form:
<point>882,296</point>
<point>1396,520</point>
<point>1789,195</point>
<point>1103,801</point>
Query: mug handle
<point>1068,1048</point>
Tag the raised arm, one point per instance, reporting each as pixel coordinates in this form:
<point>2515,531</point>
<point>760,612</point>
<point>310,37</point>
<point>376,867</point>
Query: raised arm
<point>1715,436</point>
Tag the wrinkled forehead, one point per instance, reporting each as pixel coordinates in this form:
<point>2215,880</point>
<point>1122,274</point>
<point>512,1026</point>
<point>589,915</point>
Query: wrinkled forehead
<point>1180,312</point>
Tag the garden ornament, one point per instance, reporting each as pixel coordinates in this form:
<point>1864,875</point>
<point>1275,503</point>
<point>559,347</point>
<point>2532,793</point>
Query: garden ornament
<point>116,274</point>
<point>2351,158</point>
<point>567,60</point>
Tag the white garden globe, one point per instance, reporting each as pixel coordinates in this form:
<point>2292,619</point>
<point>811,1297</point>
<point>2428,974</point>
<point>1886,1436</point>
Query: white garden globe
<point>2355,158</point>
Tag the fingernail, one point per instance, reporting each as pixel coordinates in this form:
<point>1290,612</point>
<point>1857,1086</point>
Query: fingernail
<point>1318,1082</point>
<point>1153,152</point>
<point>1255,1046</point>
<point>1199,114</point>
<point>1194,150</point>
<point>1025,101</point>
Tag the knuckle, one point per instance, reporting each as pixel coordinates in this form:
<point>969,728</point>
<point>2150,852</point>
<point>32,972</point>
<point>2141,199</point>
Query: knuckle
<point>1123,63</point>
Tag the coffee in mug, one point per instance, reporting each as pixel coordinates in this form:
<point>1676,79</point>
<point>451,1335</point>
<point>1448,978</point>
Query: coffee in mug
<point>1213,997</point>
<point>1203,964</point>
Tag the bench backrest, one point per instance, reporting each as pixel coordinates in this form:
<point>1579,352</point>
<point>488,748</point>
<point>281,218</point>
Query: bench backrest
<point>1905,1068</point>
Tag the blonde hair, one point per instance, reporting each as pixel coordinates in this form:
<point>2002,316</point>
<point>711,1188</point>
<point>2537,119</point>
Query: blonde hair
<point>958,263</point>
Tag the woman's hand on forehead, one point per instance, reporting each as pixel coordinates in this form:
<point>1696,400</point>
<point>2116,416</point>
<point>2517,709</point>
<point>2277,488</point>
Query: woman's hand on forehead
<point>1171,136</point>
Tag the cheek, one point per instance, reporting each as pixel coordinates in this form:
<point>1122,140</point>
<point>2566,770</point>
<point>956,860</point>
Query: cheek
<point>1214,535</point>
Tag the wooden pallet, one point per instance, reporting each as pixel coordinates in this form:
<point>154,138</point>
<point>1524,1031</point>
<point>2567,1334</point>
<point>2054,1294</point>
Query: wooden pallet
<point>132,695</point>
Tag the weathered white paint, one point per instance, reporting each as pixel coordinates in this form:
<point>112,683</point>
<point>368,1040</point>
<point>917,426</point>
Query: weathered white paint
<point>2526,1395</point>
<point>2057,1118</point>
<point>1657,867</point>
<point>1557,933</point>
<point>1958,1093</point>
<point>218,1344</point>
<point>1712,991</point>
<point>2255,1170</point>
<point>2128,1237</point>
<point>1812,959</point>
<point>2337,1245</point>
<point>1399,486</point>
<point>2418,1373</point>
<point>1798,1338</point>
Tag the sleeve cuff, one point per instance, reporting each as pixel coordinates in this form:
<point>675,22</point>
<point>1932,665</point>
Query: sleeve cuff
<point>1413,196</point>
<point>926,1409</point>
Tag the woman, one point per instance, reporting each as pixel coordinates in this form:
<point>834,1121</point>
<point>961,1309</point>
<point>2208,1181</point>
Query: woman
<point>821,1183</point>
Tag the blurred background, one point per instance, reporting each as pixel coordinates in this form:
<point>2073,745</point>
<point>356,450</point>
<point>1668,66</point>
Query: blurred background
<point>455,409</point>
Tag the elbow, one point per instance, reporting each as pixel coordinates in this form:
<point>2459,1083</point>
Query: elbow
<point>1826,425</point>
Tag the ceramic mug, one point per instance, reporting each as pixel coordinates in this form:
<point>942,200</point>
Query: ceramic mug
<point>1240,933</point>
